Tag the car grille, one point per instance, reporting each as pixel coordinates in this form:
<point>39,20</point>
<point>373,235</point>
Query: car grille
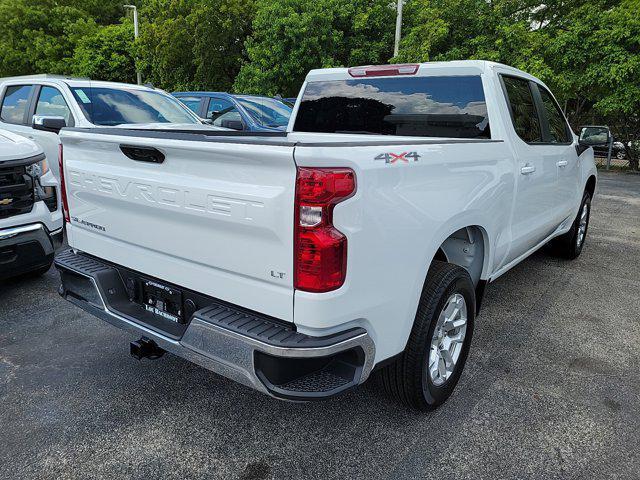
<point>16,191</point>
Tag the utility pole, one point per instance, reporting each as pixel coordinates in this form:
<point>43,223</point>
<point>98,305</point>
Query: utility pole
<point>135,34</point>
<point>396,45</point>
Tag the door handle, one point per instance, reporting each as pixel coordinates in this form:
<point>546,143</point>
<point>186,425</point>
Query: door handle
<point>527,169</point>
<point>562,163</point>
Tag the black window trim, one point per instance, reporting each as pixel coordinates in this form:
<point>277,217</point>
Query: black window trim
<point>25,116</point>
<point>36,97</point>
<point>540,111</point>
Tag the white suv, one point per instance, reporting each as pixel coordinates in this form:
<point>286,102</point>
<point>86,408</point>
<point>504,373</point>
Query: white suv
<point>30,218</point>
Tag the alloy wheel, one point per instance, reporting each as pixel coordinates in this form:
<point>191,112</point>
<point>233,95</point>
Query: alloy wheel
<point>448,339</point>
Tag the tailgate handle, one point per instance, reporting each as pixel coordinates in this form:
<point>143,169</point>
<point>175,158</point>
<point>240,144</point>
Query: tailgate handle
<point>143,154</point>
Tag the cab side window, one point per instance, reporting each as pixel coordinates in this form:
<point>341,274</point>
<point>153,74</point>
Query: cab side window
<point>192,103</point>
<point>51,102</point>
<point>15,104</point>
<point>524,113</point>
<point>558,128</point>
<point>222,112</point>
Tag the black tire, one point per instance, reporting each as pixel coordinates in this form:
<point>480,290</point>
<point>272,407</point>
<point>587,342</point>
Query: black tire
<point>407,378</point>
<point>567,245</point>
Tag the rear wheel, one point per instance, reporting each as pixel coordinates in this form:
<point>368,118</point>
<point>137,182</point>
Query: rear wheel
<point>570,244</point>
<point>428,370</point>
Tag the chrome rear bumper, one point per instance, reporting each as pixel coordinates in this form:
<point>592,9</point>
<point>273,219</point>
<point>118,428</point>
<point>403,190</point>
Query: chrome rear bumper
<point>252,349</point>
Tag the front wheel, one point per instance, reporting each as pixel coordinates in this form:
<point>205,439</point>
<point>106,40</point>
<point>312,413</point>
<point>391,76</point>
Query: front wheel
<point>570,244</point>
<point>426,373</point>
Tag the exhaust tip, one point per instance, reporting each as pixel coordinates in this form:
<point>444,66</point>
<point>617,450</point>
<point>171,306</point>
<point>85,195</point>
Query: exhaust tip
<point>145,348</point>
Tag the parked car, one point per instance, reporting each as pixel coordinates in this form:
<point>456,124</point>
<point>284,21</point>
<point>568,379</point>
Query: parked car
<point>30,217</point>
<point>361,239</point>
<point>251,113</point>
<point>52,102</point>
<point>598,137</point>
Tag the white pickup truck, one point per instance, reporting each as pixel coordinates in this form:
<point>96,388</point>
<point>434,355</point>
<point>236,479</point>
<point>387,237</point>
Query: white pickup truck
<point>360,240</point>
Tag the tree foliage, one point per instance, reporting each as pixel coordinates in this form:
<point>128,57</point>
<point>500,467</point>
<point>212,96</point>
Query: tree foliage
<point>291,37</point>
<point>587,51</point>
<point>41,35</point>
<point>194,44</point>
<point>107,54</point>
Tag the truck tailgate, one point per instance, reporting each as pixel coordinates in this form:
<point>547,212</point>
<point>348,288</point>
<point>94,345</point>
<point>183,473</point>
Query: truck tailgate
<point>214,216</point>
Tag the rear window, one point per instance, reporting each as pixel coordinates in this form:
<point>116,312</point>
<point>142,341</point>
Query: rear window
<point>451,106</point>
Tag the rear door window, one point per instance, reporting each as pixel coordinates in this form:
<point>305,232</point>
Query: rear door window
<point>51,102</point>
<point>524,113</point>
<point>558,128</point>
<point>224,114</point>
<point>193,103</point>
<point>437,106</point>
<point>15,104</point>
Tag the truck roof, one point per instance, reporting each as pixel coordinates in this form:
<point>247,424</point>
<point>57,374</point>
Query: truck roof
<point>454,67</point>
<point>73,81</point>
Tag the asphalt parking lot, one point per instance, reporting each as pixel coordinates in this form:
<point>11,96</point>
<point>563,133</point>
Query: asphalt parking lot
<point>551,389</point>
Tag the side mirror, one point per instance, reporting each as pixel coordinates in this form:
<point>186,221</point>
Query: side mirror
<point>232,124</point>
<point>48,123</point>
<point>595,136</point>
<point>207,121</point>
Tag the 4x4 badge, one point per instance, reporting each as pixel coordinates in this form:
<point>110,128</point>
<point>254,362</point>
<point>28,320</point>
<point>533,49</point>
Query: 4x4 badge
<point>395,157</point>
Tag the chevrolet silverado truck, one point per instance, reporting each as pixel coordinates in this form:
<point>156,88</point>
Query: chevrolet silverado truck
<point>359,241</point>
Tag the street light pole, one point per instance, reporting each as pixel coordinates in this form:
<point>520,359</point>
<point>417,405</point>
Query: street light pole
<point>396,45</point>
<point>135,34</point>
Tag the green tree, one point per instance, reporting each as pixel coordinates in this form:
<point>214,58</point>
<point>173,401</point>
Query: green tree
<point>292,37</point>
<point>39,36</point>
<point>106,54</point>
<point>194,44</point>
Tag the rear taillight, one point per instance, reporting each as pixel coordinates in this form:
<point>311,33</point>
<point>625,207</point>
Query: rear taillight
<point>384,70</point>
<point>320,248</point>
<point>63,187</point>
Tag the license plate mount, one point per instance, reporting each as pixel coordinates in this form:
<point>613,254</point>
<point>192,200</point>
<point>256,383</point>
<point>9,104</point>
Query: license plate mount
<point>162,300</point>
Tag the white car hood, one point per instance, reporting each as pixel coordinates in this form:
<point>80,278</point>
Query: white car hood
<point>17,147</point>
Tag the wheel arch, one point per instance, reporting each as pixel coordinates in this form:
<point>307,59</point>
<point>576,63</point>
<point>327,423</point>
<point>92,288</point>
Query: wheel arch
<point>467,246</point>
